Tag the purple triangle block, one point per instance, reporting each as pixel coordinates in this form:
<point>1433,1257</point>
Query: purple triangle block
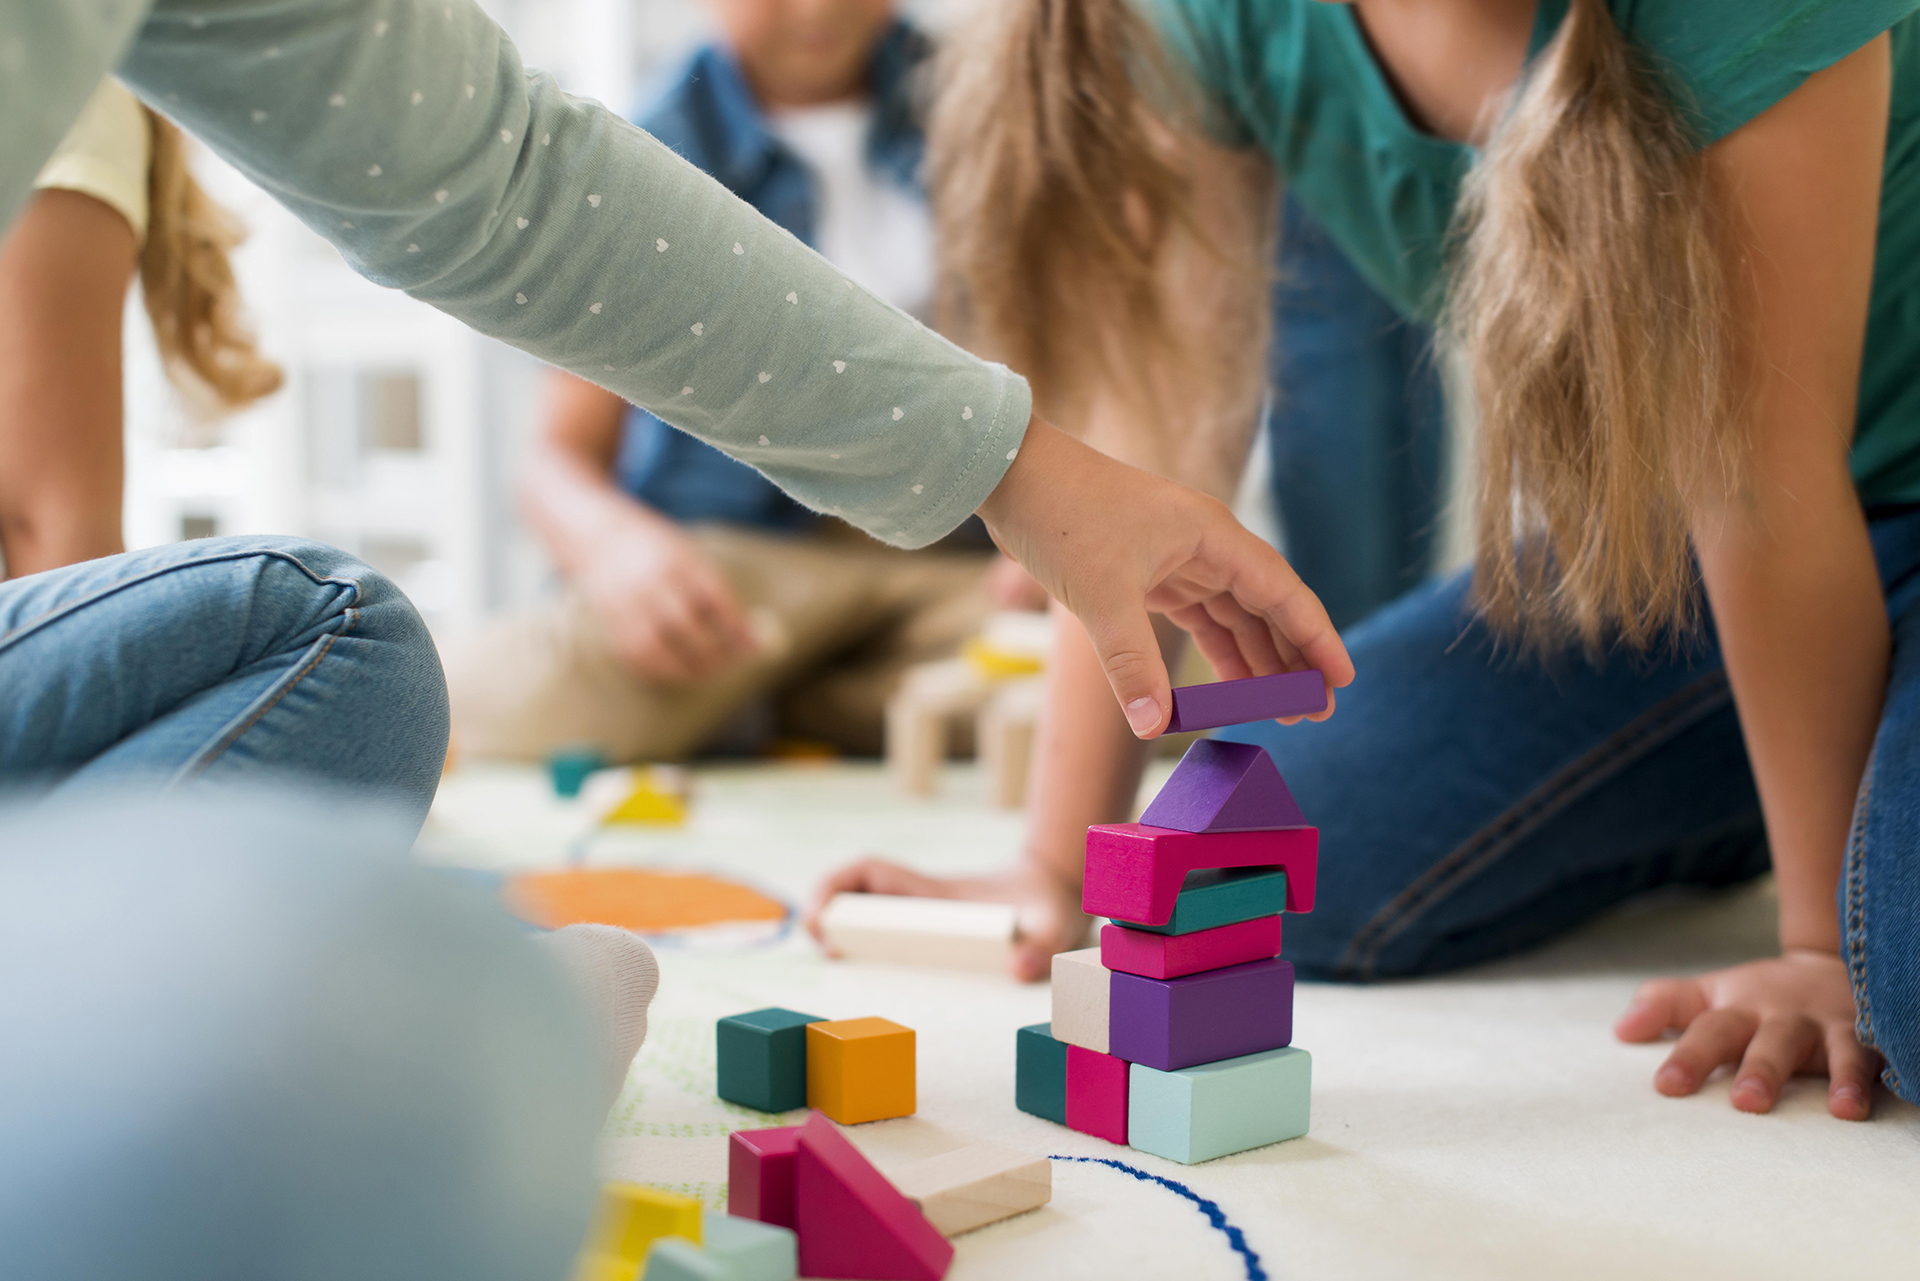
<point>1224,787</point>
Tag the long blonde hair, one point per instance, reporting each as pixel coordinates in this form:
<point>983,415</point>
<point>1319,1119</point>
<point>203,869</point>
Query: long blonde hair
<point>186,281</point>
<point>1587,288</point>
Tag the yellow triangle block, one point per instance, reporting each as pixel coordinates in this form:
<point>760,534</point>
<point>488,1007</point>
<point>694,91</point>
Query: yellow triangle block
<point>999,664</point>
<point>649,805</point>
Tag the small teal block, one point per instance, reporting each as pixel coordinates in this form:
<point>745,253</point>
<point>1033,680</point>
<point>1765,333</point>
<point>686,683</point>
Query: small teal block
<point>1222,896</point>
<point>731,1249</point>
<point>1040,1073</point>
<point>762,1059</point>
<point>1199,1113</point>
<point>567,769</point>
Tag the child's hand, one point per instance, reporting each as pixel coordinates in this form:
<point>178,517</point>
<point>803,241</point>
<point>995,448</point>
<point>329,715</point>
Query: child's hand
<point>1774,1018</point>
<point>1111,542</point>
<point>1050,919</point>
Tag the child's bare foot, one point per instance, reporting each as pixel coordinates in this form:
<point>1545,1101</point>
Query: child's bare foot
<point>1049,920</point>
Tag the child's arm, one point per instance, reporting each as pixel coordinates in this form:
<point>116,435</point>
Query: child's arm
<point>1790,573</point>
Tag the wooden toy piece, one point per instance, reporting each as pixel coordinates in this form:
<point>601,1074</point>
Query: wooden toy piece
<point>734,1249</point>
<point>1224,787</point>
<point>567,769</point>
<point>1080,999</point>
<point>631,1216</point>
<point>920,714</point>
<point>1215,1109</point>
<point>1004,737</point>
<point>1172,956</point>
<point>945,933</point>
<point>760,1174</point>
<point>1040,1073</point>
<point>1217,896</point>
<point>973,1186</point>
<point>860,1069</point>
<point>1096,1094</point>
<point>1135,872</point>
<point>1170,1024</point>
<point>852,1222</point>
<point>762,1058</point>
<point>1257,698</point>
<point>605,1267</point>
<point>658,799</point>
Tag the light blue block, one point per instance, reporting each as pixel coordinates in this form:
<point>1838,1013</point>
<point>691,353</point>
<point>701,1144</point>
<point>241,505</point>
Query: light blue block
<point>733,1249</point>
<point>1214,1109</point>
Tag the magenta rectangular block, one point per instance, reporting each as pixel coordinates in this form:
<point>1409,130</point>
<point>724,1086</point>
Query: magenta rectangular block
<point>1096,1094</point>
<point>1172,956</point>
<point>1171,1024</point>
<point>1134,871</point>
<point>1224,787</point>
<point>1257,698</point>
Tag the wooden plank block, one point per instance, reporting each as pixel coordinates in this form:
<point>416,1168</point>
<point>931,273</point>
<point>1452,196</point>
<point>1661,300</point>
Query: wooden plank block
<point>973,1186</point>
<point>631,1216</point>
<point>1040,1073</point>
<point>1214,1109</point>
<point>1172,956</point>
<point>733,1249</point>
<point>944,933</point>
<point>1004,738</point>
<point>1219,896</point>
<point>860,1069</point>
<point>1257,698</point>
<point>760,1174</point>
<point>1135,872</point>
<point>1224,787</point>
<point>1096,1094</point>
<point>761,1059</point>
<point>1170,1024</point>
<point>852,1222</point>
<point>1081,995</point>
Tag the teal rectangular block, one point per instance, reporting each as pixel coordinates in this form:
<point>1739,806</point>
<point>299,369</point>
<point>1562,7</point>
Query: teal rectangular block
<point>1215,1109</point>
<point>1040,1073</point>
<point>762,1059</point>
<point>1222,896</point>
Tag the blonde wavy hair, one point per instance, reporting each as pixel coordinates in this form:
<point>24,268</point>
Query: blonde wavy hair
<point>1588,290</point>
<point>186,281</point>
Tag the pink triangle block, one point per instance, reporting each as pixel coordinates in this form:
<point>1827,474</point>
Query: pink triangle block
<point>852,1222</point>
<point>1257,698</point>
<point>1134,871</point>
<point>1224,787</point>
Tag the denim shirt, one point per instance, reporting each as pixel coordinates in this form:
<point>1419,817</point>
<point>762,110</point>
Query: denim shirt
<point>707,114</point>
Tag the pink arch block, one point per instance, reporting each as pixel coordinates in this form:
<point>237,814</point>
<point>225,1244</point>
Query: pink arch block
<point>1134,871</point>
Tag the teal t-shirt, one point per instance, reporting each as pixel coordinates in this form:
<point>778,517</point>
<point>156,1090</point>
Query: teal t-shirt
<point>1298,79</point>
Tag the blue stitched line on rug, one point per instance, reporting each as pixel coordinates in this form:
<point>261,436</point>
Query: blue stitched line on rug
<point>1215,1215</point>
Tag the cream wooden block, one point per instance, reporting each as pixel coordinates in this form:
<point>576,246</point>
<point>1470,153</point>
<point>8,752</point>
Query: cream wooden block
<point>973,1186</point>
<point>1081,999</point>
<point>920,714</point>
<point>943,933</point>
<point>1005,735</point>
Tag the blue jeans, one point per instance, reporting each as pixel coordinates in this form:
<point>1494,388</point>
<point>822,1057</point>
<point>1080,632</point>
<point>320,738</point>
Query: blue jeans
<point>1472,803</point>
<point>226,659</point>
<point>1357,431</point>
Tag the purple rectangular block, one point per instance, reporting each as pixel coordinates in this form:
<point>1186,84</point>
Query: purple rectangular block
<point>1224,787</point>
<point>1171,1024</point>
<point>1257,698</point>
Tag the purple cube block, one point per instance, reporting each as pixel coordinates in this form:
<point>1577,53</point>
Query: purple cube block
<point>1224,787</point>
<point>1257,698</point>
<point>1171,1024</point>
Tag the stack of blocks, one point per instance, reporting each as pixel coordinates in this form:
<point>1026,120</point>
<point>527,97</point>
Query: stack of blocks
<point>1174,1036</point>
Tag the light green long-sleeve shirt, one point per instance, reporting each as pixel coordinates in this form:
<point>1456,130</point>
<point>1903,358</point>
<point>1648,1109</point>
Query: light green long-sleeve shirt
<point>408,134</point>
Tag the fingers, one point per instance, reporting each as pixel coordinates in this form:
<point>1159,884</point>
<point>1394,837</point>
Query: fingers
<point>1129,653</point>
<point>1659,1005</point>
<point>1851,1069</point>
<point>1712,1039</point>
<point>1780,1047</point>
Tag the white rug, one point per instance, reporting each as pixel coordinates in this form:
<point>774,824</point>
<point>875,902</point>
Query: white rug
<point>1485,1125</point>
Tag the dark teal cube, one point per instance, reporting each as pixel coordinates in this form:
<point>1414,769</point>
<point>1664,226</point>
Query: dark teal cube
<point>1040,1073</point>
<point>763,1059</point>
<point>1222,896</point>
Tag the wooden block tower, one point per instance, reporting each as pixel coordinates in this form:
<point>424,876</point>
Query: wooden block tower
<point>1175,1035</point>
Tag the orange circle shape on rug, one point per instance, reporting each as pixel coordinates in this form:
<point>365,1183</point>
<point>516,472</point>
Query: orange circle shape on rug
<point>638,899</point>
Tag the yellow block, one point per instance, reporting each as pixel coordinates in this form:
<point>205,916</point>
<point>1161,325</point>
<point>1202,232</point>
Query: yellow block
<point>999,664</point>
<point>631,1217</point>
<point>605,1267</point>
<point>648,805</point>
<point>860,1069</point>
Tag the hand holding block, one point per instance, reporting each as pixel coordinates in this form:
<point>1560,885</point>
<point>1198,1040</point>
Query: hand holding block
<point>1040,1073</point>
<point>1257,698</point>
<point>947,933</point>
<point>1215,1109</point>
<point>762,1058</point>
<point>734,1249</point>
<point>1080,999</point>
<point>1224,787</point>
<point>860,1069</point>
<point>760,1174</point>
<point>973,1186</point>
<point>1218,896</point>
<point>1134,872</point>
<point>1222,1014</point>
<point>1172,956</point>
<point>1096,1094</point>
<point>631,1216</point>
<point>855,1224</point>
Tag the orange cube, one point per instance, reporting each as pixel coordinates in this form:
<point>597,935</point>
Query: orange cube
<point>860,1069</point>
